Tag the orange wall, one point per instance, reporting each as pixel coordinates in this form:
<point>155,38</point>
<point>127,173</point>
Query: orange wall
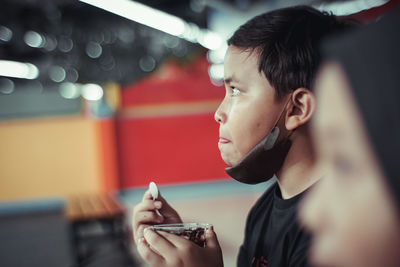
<point>56,156</point>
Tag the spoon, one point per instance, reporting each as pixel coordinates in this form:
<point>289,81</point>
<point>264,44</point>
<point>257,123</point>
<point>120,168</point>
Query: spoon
<point>153,190</point>
<point>154,193</point>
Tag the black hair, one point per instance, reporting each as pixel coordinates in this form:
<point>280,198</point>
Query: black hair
<point>287,41</point>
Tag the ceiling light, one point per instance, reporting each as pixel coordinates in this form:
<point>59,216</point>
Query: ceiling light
<point>92,92</point>
<point>143,14</point>
<point>18,69</point>
<point>5,33</point>
<point>69,90</point>
<point>159,20</point>
<point>34,39</point>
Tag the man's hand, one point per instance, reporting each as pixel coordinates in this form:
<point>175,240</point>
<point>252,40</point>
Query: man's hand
<point>149,212</point>
<point>169,250</point>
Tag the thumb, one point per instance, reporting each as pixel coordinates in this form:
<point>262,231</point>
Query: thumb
<point>211,238</point>
<point>165,205</point>
<point>163,201</point>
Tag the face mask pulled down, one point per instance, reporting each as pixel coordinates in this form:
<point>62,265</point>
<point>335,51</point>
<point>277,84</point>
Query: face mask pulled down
<point>264,160</point>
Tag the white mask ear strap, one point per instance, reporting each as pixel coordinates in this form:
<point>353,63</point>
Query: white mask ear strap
<point>274,134</point>
<point>271,138</point>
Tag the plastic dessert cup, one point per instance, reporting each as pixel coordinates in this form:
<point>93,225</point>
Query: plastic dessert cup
<point>194,232</point>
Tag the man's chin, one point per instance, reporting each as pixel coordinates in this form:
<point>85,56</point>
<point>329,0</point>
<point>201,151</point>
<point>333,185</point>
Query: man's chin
<point>229,161</point>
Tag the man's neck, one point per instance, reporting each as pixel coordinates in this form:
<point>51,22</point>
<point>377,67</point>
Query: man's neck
<point>297,172</point>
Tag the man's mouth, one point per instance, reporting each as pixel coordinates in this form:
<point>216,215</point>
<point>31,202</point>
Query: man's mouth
<point>223,140</point>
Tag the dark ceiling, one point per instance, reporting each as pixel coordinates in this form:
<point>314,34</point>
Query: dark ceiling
<point>73,42</point>
<point>71,28</point>
<point>93,45</point>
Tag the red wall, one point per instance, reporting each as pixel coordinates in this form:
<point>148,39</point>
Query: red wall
<point>178,146</point>
<point>175,149</point>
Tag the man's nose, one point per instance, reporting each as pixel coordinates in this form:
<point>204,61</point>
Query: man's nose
<point>220,115</point>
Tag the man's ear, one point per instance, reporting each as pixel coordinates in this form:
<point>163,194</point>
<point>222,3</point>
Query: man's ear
<point>300,108</point>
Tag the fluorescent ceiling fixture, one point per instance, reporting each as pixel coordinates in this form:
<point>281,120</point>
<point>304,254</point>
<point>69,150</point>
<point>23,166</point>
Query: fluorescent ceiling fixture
<point>350,7</point>
<point>217,56</point>
<point>143,14</point>
<point>18,70</point>
<point>210,40</point>
<point>159,20</point>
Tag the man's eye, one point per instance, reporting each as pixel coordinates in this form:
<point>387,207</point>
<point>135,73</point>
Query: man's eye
<point>235,91</point>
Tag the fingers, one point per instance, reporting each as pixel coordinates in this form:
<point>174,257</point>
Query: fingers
<point>176,240</point>
<point>158,242</point>
<point>148,254</point>
<point>165,249</point>
<point>160,198</point>
<point>211,238</point>
<point>147,205</point>
<point>143,220</point>
<point>147,195</point>
<point>165,205</point>
<point>139,232</point>
<point>174,249</point>
<point>145,214</point>
<point>169,213</point>
<point>148,217</point>
<point>181,242</point>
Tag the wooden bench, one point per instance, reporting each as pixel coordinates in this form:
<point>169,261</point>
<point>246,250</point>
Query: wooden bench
<point>97,222</point>
<point>93,206</point>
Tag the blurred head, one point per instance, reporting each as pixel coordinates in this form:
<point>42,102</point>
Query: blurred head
<point>268,69</point>
<point>350,212</point>
<point>354,211</point>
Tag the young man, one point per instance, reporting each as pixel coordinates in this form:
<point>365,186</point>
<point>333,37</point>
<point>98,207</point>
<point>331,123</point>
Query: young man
<point>268,70</point>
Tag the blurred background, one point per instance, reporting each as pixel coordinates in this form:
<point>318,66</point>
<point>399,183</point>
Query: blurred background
<point>100,97</point>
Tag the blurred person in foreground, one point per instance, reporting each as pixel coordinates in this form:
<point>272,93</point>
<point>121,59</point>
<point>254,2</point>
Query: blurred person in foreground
<point>354,211</point>
<point>268,70</point>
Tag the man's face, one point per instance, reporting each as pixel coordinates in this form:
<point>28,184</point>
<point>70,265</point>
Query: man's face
<point>350,212</point>
<point>249,110</point>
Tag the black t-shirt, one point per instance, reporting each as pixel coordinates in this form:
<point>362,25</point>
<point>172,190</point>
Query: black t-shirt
<point>273,236</point>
